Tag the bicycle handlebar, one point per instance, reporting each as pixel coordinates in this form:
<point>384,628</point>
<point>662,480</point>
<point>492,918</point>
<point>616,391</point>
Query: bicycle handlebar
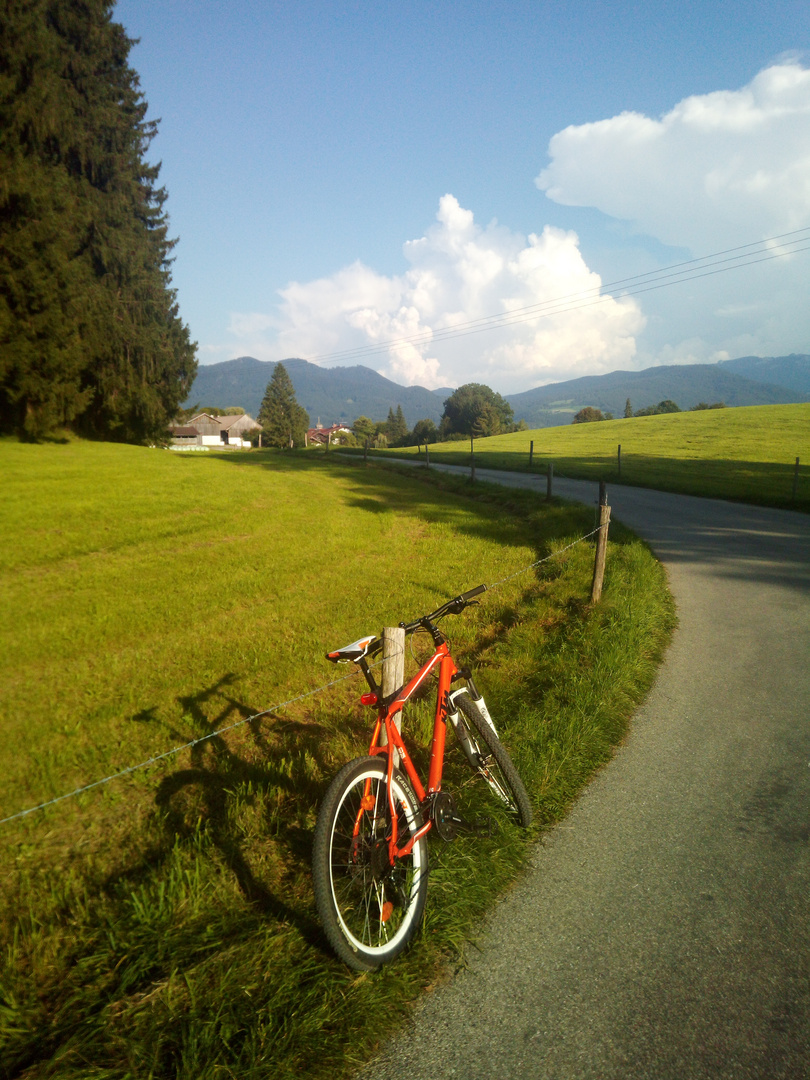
<point>451,607</point>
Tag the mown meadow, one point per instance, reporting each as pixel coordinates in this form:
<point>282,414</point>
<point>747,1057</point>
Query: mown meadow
<point>743,454</point>
<point>162,925</point>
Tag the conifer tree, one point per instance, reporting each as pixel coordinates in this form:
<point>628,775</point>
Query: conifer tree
<point>90,334</point>
<point>284,422</point>
<point>396,427</point>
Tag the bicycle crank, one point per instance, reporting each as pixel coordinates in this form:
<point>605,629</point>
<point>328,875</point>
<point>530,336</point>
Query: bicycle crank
<point>449,823</point>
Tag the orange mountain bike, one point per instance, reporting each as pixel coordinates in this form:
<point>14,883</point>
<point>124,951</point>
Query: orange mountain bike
<point>370,853</point>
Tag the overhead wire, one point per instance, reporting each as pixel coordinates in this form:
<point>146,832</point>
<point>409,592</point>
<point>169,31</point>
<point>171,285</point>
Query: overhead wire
<point>677,273</point>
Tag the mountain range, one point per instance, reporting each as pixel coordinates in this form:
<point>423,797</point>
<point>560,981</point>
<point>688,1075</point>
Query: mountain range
<point>344,393</point>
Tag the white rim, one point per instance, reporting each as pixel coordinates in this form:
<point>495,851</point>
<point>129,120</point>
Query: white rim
<point>390,943</point>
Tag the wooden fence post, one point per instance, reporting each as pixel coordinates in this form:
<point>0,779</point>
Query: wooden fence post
<point>472,461</point>
<point>620,461</point>
<point>795,481</point>
<point>549,481</point>
<point>393,670</point>
<point>427,456</point>
<point>531,452</point>
<point>601,545</point>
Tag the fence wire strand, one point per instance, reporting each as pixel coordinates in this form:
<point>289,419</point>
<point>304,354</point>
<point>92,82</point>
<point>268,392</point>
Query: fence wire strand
<point>265,712</point>
<point>546,558</point>
<point>178,749</point>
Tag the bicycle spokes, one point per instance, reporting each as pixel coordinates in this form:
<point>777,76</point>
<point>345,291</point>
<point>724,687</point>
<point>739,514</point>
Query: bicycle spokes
<point>373,897</point>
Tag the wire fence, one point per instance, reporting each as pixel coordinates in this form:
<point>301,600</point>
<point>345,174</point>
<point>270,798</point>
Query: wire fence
<point>265,712</point>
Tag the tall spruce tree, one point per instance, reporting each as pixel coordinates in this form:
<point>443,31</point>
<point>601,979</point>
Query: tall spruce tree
<point>284,422</point>
<point>90,334</point>
<point>396,427</point>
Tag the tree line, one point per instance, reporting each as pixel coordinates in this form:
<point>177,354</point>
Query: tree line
<point>90,334</point>
<point>472,410</point>
<point>589,414</point>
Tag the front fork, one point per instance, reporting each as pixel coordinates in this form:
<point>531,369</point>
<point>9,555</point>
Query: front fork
<point>465,737</point>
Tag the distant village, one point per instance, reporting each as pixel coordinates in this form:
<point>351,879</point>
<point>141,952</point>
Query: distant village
<point>238,432</point>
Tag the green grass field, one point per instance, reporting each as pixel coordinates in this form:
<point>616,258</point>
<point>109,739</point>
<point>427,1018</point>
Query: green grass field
<point>163,925</point>
<point>745,454</point>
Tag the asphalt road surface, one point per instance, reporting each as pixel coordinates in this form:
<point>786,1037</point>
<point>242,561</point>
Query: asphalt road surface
<point>663,930</point>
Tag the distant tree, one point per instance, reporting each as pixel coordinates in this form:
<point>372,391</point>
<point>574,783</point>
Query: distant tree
<point>363,429</point>
<point>608,416</point>
<point>702,405</point>
<point>396,427</point>
<point>284,422</point>
<point>588,415</point>
<point>471,401</point>
<point>424,432</point>
<point>665,406</point>
<point>233,410</point>
<point>181,416</point>
<point>628,409</point>
<point>488,422</point>
<point>344,438</point>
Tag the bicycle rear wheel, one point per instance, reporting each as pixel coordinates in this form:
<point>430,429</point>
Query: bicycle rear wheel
<point>491,761</point>
<point>369,910</point>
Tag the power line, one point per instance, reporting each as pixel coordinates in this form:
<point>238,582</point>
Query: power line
<point>692,269</point>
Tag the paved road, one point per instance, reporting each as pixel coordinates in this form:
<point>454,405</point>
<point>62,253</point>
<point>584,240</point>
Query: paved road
<point>663,932</point>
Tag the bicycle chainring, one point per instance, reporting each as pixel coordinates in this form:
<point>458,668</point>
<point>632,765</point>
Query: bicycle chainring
<point>444,815</point>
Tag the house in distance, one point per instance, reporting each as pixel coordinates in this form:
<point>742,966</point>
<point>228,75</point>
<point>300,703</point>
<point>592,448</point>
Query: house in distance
<point>325,435</point>
<point>206,432</point>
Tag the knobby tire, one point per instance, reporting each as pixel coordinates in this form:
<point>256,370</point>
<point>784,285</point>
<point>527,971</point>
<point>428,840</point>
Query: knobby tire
<point>495,765</point>
<point>370,912</point>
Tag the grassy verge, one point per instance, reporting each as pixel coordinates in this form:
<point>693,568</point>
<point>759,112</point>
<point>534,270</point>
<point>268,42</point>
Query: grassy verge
<point>745,454</point>
<point>163,926</point>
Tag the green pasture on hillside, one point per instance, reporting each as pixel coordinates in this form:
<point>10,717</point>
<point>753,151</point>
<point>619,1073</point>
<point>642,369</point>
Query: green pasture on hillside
<point>745,454</point>
<point>163,925</point>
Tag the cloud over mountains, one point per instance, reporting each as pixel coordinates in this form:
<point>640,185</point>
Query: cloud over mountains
<point>461,272</point>
<point>718,170</point>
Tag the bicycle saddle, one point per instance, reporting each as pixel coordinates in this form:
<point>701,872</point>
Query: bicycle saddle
<point>355,651</point>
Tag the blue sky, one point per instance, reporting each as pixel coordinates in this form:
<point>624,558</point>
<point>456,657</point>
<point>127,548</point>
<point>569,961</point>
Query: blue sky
<point>342,176</point>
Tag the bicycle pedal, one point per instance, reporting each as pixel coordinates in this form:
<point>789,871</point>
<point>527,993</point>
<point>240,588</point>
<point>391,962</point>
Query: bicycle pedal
<point>483,826</point>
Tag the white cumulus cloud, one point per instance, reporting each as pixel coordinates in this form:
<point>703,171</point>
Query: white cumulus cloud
<point>719,169</point>
<point>460,272</point>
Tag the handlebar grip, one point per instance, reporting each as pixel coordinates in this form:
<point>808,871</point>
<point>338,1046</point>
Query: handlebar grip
<point>473,592</point>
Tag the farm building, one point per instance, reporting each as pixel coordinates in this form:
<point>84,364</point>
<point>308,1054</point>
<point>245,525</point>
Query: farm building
<point>204,431</point>
<point>323,435</point>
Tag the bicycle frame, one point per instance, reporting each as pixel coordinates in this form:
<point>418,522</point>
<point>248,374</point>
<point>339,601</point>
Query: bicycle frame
<point>442,660</point>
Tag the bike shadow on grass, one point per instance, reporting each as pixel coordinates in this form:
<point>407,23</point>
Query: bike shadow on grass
<point>233,788</point>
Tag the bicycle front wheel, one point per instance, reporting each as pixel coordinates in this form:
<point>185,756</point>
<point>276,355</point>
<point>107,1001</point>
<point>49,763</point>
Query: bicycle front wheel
<point>369,909</point>
<point>490,760</point>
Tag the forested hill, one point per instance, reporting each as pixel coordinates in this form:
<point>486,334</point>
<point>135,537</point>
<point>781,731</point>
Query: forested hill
<point>792,372</point>
<point>685,384</point>
<point>90,336</point>
<point>333,394</point>
<point>328,394</point>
